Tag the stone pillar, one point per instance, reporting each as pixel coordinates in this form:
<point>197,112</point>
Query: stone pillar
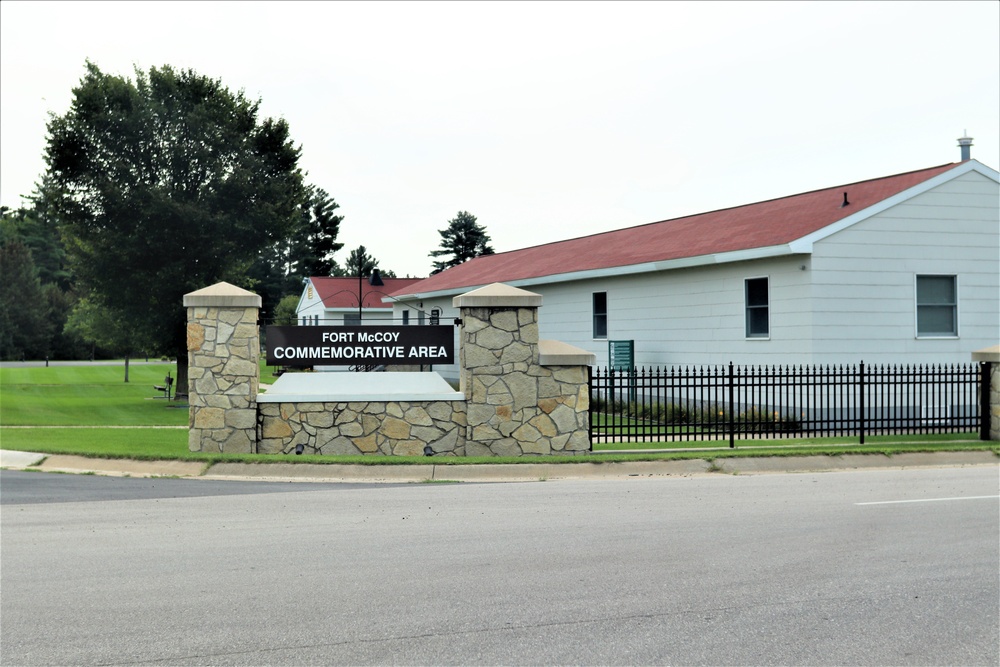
<point>223,342</point>
<point>515,406</point>
<point>991,356</point>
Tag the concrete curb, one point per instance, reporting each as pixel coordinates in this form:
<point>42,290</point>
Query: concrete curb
<point>121,467</point>
<point>524,472</point>
<point>14,459</point>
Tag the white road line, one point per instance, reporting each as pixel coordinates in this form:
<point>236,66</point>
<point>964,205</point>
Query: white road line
<point>925,500</point>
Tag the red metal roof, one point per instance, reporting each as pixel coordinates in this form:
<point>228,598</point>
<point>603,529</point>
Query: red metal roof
<point>760,225</point>
<point>343,292</point>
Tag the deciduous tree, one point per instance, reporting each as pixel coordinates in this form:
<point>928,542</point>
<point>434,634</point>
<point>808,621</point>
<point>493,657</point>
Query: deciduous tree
<point>163,185</point>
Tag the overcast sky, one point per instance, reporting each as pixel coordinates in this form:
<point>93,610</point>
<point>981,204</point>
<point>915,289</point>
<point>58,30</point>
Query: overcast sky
<point>545,120</point>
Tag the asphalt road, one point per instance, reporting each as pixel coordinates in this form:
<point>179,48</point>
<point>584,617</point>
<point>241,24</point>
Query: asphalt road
<point>854,568</point>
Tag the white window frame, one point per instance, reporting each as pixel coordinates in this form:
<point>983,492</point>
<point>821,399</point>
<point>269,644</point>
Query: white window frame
<point>746,309</point>
<point>917,305</point>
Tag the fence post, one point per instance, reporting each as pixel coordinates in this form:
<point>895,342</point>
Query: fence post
<point>861,401</point>
<point>590,407</point>
<point>732,407</point>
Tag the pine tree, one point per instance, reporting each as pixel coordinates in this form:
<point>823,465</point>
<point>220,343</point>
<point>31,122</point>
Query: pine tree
<point>461,241</point>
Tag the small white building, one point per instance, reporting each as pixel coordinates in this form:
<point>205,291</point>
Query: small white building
<point>900,269</point>
<point>353,301</point>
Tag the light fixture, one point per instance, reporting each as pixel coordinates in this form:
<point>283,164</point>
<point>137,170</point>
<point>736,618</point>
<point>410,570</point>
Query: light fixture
<point>375,280</point>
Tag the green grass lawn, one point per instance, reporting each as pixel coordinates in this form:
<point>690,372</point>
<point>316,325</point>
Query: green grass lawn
<point>87,396</point>
<point>119,442</point>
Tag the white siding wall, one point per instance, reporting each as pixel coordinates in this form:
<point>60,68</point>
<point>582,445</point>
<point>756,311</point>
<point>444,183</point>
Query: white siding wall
<point>864,277</point>
<point>310,305</point>
<point>688,316</point>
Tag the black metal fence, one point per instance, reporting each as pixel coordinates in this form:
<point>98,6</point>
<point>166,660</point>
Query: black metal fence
<point>757,402</point>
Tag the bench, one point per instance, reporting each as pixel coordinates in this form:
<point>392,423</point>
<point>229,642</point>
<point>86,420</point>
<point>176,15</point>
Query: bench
<point>165,387</point>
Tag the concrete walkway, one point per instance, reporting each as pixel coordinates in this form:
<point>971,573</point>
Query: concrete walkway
<point>524,472</point>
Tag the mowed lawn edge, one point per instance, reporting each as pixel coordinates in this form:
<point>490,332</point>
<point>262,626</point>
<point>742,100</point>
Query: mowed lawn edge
<point>119,420</point>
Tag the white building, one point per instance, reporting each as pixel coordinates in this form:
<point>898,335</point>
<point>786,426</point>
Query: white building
<point>352,301</point>
<point>900,269</point>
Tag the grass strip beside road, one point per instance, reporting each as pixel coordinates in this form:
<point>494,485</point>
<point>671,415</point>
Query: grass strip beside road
<point>107,442</point>
<point>171,444</point>
<point>114,419</point>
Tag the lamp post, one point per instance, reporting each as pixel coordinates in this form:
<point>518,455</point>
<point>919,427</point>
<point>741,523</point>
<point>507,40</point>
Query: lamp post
<point>375,280</point>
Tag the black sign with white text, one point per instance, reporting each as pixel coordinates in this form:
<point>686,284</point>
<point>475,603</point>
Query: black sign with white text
<point>359,345</point>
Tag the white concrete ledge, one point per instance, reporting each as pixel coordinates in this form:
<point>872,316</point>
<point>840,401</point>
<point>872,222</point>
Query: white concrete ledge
<point>991,354</point>
<point>359,388</point>
<point>557,353</point>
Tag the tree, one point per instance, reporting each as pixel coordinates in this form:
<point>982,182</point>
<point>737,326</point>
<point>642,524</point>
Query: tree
<point>317,241</point>
<point>359,257</point>
<point>285,313</point>
<point>164,185</point>
<point>462,240</point>
<point>279,270</point>
<point>360,263</point>
<point>38,233</point>
<point>25,325</point>
<point>103,327</point>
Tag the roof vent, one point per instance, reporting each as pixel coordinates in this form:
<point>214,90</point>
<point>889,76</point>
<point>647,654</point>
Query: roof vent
<point>846,203</point>
<point>965,143</point>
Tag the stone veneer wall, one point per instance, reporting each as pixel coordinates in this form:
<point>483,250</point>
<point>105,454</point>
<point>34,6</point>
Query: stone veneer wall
<point>991,357</point>
<point>516,402</point>
<point>995,401</point>
<point>516,406</point>
<point>223,342</point>
<point>400,428</point>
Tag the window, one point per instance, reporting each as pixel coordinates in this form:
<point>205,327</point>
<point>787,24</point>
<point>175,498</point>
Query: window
<point>600,314</point>
<point>406,318</point>
<point>758,321</point>
<point>435,316</point>
<point>352,319</point>
<point>937,306</point>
